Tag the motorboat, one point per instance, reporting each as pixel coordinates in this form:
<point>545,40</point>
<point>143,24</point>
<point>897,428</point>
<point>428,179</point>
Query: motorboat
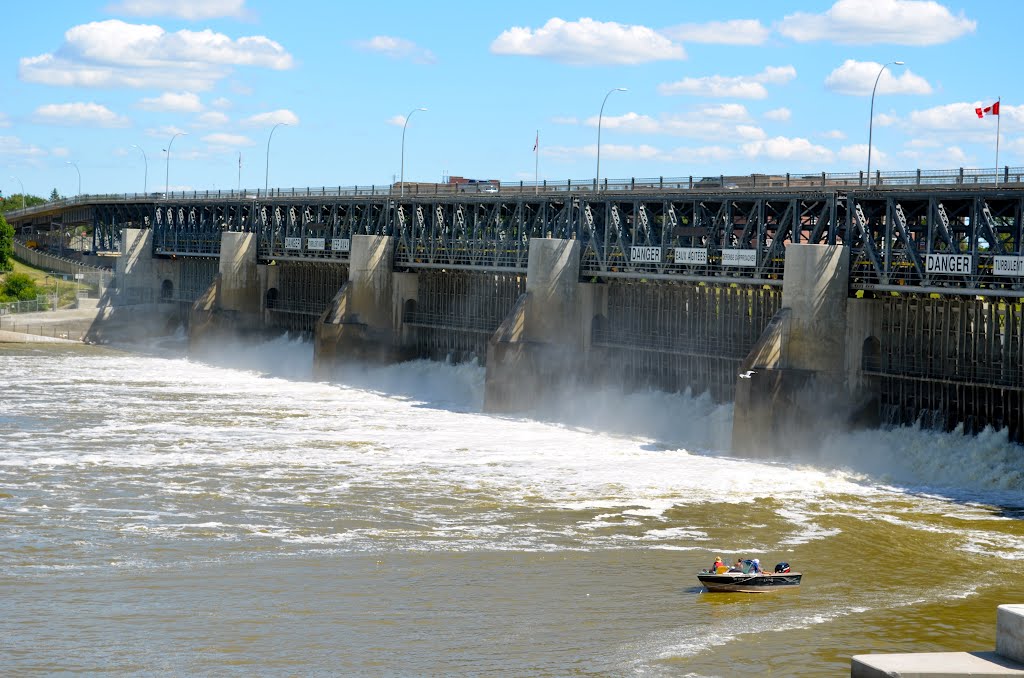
<point>749,580</point>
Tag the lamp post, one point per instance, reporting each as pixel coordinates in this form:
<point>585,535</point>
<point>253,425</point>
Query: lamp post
<point>75,165</point>
<point>871,120</point>
<point>145,165</point>
<point>401,181</point>
<point>266,179</point>
<point>599,117</point>
<point>167,169</point>
<point>22,190</point>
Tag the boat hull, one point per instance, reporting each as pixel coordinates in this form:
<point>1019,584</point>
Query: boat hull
<point>737,582</point>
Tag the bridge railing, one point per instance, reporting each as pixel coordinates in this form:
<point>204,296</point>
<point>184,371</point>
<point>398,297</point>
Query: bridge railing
<point>942,177</point>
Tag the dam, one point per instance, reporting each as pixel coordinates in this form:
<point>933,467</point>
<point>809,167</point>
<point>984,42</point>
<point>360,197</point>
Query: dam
<point>807,301</point>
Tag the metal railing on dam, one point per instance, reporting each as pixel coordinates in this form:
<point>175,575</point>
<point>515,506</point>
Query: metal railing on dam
<point>947,231</point>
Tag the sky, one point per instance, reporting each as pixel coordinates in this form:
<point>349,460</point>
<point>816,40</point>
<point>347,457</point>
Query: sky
<point>94,93</point>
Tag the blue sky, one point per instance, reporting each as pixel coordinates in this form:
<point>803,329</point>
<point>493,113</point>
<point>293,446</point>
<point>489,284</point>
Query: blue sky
<point>713,88</point>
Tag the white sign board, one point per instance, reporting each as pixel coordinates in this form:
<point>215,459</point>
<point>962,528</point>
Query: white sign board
<point>341,244</point>
<point>953,264</point>
<point>746,258</point>
<point>315,244</point>
<point>1004,265</point>
<point>645,255</point>
<point>79,276</point>
<point>691,255</point>
<point>293,243</point>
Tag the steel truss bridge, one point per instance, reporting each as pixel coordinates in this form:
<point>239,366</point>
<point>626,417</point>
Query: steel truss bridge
<point>955,239</point>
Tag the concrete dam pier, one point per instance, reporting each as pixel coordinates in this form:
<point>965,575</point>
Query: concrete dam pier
<point>811,308</point>
<point>797,361</point>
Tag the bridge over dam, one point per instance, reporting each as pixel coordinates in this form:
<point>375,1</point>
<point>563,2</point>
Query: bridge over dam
<point>808,303</point>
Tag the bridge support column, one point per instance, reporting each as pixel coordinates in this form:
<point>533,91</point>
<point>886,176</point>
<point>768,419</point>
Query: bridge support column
<point>793,384</point>
<point>545,338</point>
<point>231,304</point>
<point>364,320</point>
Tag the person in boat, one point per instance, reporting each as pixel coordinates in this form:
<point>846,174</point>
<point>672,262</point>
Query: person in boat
<point>737,566</point>
<point>718,564</point>
<point>755,566</point>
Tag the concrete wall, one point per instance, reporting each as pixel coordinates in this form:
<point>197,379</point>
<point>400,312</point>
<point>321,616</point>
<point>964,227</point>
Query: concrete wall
<point>140,276</point>
<point>232,305</point>
<point>544,340</point>
<point>793,371</point>
<point>364,320</point>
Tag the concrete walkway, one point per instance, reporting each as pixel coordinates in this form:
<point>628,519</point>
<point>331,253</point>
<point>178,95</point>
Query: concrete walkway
<point>1005,661</point>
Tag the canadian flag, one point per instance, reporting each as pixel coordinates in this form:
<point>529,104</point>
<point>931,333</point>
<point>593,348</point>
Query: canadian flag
<point>988,110</point>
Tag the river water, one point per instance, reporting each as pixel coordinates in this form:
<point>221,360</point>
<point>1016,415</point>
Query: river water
<point>227,515</point>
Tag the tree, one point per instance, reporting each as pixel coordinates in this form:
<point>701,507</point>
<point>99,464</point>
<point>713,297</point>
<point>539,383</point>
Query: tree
<point>6,245</point>
<point>54,195</point>
<point>18,287</point>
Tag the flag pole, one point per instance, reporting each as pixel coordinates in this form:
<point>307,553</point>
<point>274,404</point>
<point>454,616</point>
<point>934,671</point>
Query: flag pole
<point>536,164</point>
<point>999,119</point>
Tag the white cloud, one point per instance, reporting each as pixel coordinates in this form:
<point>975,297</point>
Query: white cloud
<point>397,48</point>
<point>221,102</point>
<point>565,120</point>
<point>181,102</point>
<point>60,152</point>
<point>834,134</point>
<point>724,122</point>
<point>588,42</point>
<point>871,22</point>
<point>738,87</point>
<point>630,122</point>
<point>885,119</point>
<point>117,54</point>
<point>735,32</point>
<point>164,133</point>
<point>750,132</point>
<point>269,118</point>
<point>786,148</point>
<point>858,77</point>
<point>699,155</point>
<point>228,140</point>
<point>191,10</point>
<point>78,114</point>
<point>779,114</point>
<point>212,119</point>
<point>856,156</point>
<point>397,120</point>
<point>15,147</point>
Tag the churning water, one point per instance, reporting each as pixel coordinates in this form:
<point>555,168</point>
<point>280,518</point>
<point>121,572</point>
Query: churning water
<point>227,515</point>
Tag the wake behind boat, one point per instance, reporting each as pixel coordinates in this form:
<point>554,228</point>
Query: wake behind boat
<point>749,578</point>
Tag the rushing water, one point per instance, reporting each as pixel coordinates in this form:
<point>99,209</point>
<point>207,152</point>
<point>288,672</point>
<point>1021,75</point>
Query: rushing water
<point>166,515</point>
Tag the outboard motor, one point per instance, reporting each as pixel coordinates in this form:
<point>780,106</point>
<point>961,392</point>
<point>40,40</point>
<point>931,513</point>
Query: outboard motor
<point>782,568</point>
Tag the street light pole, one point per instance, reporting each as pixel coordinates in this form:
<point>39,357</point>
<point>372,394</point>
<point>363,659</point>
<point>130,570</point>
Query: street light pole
<point>145,164</point>
<point>22,190</point>
<point>871,120</point>
<point>266,179</point>
<point>401,181</point>
<point>599,118</point>
<point>167,169</point>
<point>75,165</point>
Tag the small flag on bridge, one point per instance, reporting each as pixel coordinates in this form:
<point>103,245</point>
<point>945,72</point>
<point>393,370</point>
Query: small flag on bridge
<point>988,110</point>
<point>536,141</point>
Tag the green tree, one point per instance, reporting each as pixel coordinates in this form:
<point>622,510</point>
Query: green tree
<point>14,202</point>
<point>18,287</point>
<point>6,245</point>
<point>54,195</point>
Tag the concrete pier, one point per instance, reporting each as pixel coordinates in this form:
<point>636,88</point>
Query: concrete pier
<point>545,338</point>
<point>232,304</point>
<point>793,368</point>
<point>364,320</point>
<point>1007,660</point>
